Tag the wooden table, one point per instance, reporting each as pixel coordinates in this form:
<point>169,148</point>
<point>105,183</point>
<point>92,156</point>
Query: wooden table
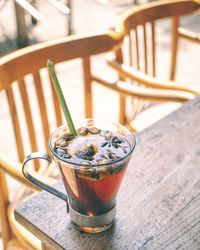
<point>158,204</point>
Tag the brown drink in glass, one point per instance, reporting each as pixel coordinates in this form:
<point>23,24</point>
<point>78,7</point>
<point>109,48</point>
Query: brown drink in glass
<point>92,166</point>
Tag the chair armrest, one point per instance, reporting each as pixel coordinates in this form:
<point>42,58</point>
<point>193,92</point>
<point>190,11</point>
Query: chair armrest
<point>14,169</point>
<point>127,71</point>
<point>187,34</point>
<point>152,94</point>
<point>28,240</point>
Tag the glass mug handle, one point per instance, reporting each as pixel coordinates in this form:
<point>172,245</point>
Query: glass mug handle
<point>42,185</point>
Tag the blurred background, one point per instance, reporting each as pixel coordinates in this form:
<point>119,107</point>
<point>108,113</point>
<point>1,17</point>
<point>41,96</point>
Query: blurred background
<point>86,17</point>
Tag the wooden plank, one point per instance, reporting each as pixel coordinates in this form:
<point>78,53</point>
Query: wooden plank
<point>122,98</point>
<point>59,50</point>
<point>15,123</point>
<point>180,233</point>
<point>158,204</point>
<point>42,108</point>
<point>175,23</point>
<point>190,35</point>
<point>145,49</point>
<point>27,112</point>
<point>137,49</point>
<point>86,66</point>
<point>130,48</point>
<point>157,10</point>
<point>29,119</point>
<point>153,45</point>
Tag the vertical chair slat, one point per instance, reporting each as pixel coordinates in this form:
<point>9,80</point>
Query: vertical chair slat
<point>137,49</point>
<point>42,107</point>
<point>15,122</point>
<point>27,112</point>
<point>153,48</point>
<point>6,233</point>
<point>145,49</point>
<point>28,116</point>
<point>56,105</point>
<point>175,23</point>
<point>130,49</point>
<point>87,86</point>
<point>122,98</point>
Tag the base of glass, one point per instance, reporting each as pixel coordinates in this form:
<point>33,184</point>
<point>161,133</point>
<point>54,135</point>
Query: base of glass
<point>92,224</point>
<point>92,230</point>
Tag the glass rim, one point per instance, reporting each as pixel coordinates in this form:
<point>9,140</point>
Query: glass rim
<point>78,165</point>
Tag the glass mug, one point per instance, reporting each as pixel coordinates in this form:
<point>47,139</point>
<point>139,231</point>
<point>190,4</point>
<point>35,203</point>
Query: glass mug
<point>91,188</point>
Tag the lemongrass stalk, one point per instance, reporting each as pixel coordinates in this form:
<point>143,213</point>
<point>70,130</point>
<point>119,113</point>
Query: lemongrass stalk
<point>61,98</point>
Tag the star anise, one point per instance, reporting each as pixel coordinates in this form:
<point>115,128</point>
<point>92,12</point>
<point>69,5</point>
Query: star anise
<point>114,142</point>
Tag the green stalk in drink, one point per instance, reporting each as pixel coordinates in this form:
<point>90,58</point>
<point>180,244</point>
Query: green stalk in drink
<point>61,98</point>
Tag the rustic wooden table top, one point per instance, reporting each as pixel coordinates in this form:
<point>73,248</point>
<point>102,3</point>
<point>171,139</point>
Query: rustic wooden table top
<point>158,206</point>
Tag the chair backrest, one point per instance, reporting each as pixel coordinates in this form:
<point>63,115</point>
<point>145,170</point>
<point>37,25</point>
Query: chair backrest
<point>139,26</point>
<point>145,38</point>
<point>22,76</point>
<point>29,107</point>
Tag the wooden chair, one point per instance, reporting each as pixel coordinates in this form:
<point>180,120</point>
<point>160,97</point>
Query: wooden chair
<point>31,110</point>
<point>137,60</point>
<point>24,85</point>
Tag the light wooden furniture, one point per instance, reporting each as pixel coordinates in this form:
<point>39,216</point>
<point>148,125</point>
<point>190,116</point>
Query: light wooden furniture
<point>158,205</point>
<point>138,60</point>
<point>22,72</point>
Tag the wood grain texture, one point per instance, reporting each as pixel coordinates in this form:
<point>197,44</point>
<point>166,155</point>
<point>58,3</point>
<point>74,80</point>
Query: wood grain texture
<point>145,49</point>
<point>158,205</point>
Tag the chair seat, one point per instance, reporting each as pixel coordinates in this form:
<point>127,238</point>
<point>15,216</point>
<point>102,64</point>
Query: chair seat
<point>152,115</point>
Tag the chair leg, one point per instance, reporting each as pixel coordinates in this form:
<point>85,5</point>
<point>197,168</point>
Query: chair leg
<point>5,227</point>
